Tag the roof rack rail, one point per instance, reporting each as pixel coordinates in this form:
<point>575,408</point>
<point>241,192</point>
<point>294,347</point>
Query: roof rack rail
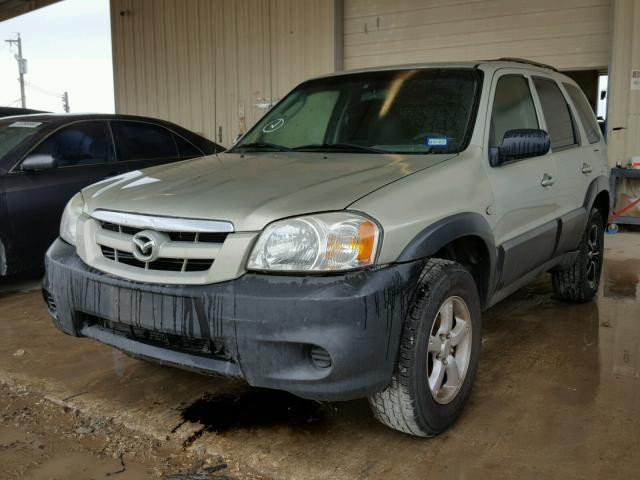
<point>529,62</point>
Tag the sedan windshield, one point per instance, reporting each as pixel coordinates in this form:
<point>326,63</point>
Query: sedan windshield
<point>13,132</point>
<point>395,111</point>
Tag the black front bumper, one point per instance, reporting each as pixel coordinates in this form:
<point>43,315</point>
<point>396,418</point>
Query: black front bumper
<point>326,338</point>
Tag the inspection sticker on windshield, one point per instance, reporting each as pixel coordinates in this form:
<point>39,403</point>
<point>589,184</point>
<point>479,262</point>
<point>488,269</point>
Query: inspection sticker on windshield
<point>273,125</point>
<point>436,141</point>
<point>25,124</point>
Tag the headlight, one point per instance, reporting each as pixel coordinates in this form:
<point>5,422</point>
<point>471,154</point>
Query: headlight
<point>323,242</point>
<point>70,216</point>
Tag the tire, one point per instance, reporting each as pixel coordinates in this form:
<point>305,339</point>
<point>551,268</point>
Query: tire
<point>407,404</point>
<point>579,282</point>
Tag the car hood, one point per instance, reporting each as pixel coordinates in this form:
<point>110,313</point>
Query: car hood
<point>252,190</point>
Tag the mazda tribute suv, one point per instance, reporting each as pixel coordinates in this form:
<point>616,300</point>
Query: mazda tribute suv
<point>346,246</point>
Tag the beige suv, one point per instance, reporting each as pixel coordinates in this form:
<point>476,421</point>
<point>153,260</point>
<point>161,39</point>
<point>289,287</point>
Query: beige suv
<point>347,244</point>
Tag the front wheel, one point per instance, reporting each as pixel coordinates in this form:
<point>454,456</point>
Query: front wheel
<point>439,354</point>
<point>579,282</point>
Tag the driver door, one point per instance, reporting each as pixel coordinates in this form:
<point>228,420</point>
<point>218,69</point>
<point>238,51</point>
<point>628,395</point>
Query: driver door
<point>83,154</point>
<point>525,210</point>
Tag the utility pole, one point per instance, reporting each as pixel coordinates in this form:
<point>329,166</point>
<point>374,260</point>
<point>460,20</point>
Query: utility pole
<point>65,101</point>
<point>22,68</point>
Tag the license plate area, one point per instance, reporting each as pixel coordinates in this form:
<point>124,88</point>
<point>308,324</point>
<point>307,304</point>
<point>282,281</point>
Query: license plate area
<point>194,346</point>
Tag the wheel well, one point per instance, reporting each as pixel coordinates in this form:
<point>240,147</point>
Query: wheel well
<point>471,252</point>
<point>601,202</point>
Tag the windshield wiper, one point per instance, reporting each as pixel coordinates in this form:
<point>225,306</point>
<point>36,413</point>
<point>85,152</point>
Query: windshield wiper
<point>262,146</point>
<point>344,147</point>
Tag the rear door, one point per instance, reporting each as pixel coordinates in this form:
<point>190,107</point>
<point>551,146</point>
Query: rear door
<point>525,210</point>
<point>35,200</point>
<point>593,160</point>
<point>568,151</point>
<point>145,144</point>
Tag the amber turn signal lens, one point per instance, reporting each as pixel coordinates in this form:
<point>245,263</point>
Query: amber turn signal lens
<point>366,241</point>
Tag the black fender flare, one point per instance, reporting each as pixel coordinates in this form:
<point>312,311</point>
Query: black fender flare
<point>433,238</point>
<point>597,185</point>
<point>436,236</point>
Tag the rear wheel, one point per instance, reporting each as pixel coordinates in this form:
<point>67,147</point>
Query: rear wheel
<point>579,282</point>
<point>439,354</point>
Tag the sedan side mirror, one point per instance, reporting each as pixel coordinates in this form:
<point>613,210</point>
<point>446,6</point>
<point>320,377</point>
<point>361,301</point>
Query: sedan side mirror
<point>520,144</point>
<point>36,162</point>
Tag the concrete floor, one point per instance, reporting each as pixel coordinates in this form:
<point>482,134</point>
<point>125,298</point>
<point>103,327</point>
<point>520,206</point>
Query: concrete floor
<point>557,395</point>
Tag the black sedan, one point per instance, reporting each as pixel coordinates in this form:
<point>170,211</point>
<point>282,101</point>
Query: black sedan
<point>46,159</point>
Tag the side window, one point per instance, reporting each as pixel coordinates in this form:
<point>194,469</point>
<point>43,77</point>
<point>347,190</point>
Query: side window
<point>85,143</point>
<point>587,117</point>
<point>186,149</point>
<point>513,108</point>
<point>556,113</point>
<point>142,141</point>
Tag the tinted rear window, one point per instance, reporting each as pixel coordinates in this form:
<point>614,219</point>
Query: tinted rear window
<point>186,149</point>
<point>556,113</point>
<point>585,113</point>
<point>143,141</point>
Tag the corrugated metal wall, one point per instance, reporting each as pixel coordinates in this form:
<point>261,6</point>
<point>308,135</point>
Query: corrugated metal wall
<point>173,59</point>
<point>624,102</point>
<point>569,34</point>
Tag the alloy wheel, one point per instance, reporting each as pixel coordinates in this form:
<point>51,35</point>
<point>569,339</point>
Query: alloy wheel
<point>449,349</point>
<point>593,256</point>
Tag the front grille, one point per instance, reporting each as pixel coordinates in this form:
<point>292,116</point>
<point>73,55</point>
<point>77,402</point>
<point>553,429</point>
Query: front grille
<point>162,264</point>
<point>178,343</point>
<point>204,237</point>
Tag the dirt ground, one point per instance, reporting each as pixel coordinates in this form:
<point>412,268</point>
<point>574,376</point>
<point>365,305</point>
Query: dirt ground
<point>557,396</point>
<point>41,439</point>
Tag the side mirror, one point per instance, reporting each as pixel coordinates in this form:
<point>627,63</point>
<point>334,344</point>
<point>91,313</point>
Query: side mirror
<point>520,144</point>
<point>37,162</point>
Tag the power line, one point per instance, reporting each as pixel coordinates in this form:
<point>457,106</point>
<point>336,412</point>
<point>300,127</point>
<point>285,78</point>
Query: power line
<point>63,96</point>
<point>42,90</point>
<point>22,69</point>
<point>15,102</point>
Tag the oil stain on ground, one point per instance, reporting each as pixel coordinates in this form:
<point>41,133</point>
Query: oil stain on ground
<point>254,408</point>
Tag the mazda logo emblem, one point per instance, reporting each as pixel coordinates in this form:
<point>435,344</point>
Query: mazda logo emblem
<point>145,246</point>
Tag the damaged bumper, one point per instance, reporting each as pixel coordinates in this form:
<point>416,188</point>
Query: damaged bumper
<point>326,338</point>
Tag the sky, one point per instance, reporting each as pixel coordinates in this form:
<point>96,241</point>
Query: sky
<point>68,48</point>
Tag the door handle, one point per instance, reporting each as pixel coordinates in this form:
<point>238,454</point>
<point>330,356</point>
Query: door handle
<point>586,168</point>
<point>547,180</point>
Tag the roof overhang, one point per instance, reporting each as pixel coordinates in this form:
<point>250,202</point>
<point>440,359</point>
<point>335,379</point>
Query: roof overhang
<point>14,8</point>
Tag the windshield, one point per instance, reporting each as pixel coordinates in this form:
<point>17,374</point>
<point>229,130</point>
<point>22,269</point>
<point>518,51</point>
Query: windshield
<point>13,132</point>
<point>398,111</point>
